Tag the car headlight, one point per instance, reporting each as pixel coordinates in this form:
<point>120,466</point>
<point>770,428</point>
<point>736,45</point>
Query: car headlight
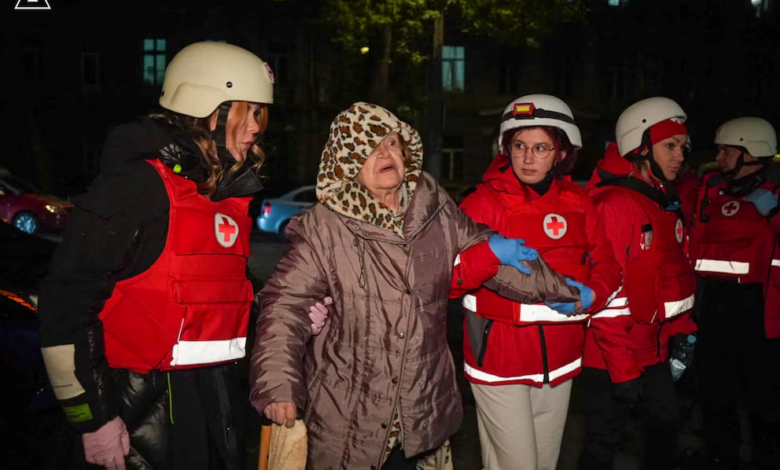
<point>52,208</point>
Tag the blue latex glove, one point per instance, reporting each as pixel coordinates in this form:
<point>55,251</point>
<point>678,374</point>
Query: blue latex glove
<point>567,308</point>
<point>511,251</point>
<point>764,200</point>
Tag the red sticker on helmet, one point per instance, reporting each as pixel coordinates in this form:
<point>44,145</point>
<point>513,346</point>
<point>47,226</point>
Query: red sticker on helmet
<point>270,72</point>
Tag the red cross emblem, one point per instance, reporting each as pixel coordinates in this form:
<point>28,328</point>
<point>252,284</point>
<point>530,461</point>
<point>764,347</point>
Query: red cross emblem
<point>555,226</point>
<point>226,230</point>
<point>678,230</point>
<point>730,208</point>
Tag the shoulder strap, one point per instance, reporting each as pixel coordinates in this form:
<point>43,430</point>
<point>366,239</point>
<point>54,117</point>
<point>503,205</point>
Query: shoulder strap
<point>666,201</point>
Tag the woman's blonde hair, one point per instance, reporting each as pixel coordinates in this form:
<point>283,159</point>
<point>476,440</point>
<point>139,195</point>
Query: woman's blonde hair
<point>199,130</point>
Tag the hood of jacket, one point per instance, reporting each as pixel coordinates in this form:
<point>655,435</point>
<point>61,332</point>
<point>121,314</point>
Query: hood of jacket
<point>353,135</point>
<point>611,165</point>
<point>147,138</point>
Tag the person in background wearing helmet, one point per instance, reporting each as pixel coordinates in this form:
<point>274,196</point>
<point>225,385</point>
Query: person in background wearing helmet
<point>521,375</point>
<point>625,359</point>
<point>145,310</point>
<point>735,249</point>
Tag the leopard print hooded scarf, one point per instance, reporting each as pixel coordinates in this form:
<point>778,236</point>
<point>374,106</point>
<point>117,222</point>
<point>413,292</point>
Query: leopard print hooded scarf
<point>353,135</point>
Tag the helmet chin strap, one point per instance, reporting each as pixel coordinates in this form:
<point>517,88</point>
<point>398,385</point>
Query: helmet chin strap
<point>220,132</point>
<point>732,174</point>
<point>638,158</point>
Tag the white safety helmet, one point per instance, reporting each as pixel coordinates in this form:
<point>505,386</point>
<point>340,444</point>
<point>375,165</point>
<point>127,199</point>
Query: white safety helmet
<point>755,135</point>
<point>638,117</point>
<point>540,110</point>
<point>204,75</point>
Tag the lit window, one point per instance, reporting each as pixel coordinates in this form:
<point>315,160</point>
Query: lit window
<point>614,3</point>
<point>453,71</point>
<point>154,61</point>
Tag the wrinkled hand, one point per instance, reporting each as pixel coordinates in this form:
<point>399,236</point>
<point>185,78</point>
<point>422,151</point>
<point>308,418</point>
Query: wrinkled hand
<point>567,308</point>
<point>586,293</point>
<point>281,413</point>
<point>627,392</point>
<point>318,313</point>
<point>764,200</point>
<point>107,446</point>
<point>511,251</point>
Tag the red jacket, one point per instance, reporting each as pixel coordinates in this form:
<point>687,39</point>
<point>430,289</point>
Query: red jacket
<point>532,344</point>
<point>191,308</point>
<point>648,243</point>
<point>731,240</point>
<point>687,186</point>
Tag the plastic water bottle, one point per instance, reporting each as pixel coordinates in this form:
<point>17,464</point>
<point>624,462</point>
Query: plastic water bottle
<point>682,358</point>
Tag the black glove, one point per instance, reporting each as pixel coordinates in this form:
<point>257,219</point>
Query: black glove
<point>627,392</point>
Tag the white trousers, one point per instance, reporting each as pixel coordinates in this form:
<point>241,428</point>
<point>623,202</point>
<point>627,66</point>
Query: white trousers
<point>521,427</point>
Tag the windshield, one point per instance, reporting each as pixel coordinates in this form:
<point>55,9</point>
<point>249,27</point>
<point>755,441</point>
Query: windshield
<point>19,185</point>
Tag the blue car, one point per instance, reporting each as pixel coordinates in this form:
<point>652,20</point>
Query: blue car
<point>275,213</point>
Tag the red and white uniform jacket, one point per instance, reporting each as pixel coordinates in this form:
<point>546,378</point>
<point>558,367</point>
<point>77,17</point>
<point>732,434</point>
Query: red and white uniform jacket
<point>191,308</point>
<point>533,344</point>
<point>659,284</point>
<point>730,239</point>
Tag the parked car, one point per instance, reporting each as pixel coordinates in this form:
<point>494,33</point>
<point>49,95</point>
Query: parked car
<point>275,213</point>
<point>28,209</point>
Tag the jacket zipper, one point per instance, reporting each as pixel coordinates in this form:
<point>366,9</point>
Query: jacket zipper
<point>545,365</point>
<point>483,347</point>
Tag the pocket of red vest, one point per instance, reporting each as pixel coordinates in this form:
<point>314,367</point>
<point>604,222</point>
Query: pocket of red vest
<point>215,321</point>
<point>675,288</point>
<point>213,292</point>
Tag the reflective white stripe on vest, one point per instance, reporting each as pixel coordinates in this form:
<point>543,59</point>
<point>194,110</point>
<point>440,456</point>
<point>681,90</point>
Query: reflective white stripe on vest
<point>538,378</point>
<point>539,312</point>
<point>776,262</point>
<point>530,313</point>
<point>616,308</point>
<point>457,260</point>
<point>724,267</point>
<point>186,353</point>
<point>677,307</point>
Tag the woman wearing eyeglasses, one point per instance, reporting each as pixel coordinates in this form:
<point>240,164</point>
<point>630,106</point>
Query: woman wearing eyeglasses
<point>521,358</point>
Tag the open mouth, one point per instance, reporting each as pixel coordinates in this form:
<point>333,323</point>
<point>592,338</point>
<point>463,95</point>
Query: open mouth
<point>386,168</point>
<point>248,145</point>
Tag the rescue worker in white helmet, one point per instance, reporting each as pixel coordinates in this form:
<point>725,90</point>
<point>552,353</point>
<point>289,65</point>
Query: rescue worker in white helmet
<point>626,358</point>
<point>734,245</point>
<point>521,358</point>
<point>144,313</point>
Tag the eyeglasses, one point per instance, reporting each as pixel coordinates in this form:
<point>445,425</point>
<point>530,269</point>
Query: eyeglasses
<point>540,151</point>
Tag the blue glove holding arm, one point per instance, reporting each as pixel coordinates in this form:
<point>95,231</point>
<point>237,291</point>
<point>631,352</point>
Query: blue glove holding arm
<point>567,308</point>
<point>764,200</point>
<point>511,251</point>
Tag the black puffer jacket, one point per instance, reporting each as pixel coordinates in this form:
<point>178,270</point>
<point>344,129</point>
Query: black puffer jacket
<point>118,231</point>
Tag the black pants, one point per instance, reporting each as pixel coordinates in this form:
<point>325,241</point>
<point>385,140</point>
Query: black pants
<point>202,431</point>
<point>735,360</point>
<point>398,461</point>
<point>606,419</point>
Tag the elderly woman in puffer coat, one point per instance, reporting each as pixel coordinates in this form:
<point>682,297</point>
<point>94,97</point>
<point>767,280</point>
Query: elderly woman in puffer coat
<point>385,242</point>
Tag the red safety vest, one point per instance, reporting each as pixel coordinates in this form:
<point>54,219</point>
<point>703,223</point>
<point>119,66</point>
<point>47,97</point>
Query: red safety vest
<point>191,308</point>
<point>558,233</point>
<point>659,282</point>
<point>731,240</point>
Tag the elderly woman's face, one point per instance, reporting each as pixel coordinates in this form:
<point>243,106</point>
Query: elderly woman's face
<point>384,170</point>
